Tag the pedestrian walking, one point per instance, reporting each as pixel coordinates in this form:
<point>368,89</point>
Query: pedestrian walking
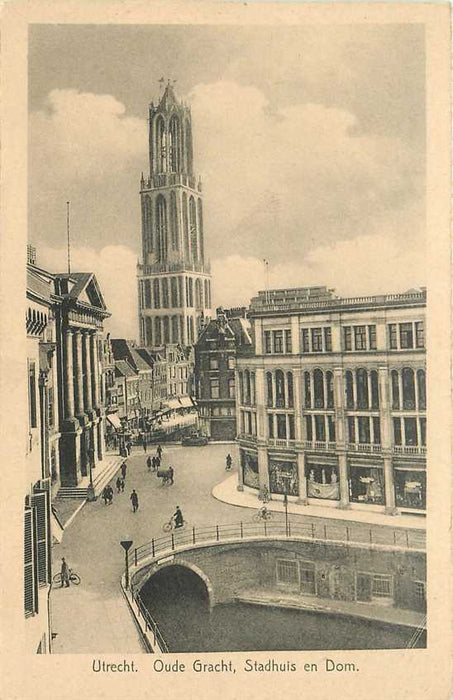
<point>118,484</point>
<point>105,494</point>
<point>123,483</point>
<point>171,473</point>
<point>149,463</point>
<point>157,462</point>
<point>123,470</point>
<point>228,462</point>
<point>110,494</point>
<point>64,573</point>
<point>153,463</point>
<point>159,452</point>
<point>145,445</point>
<point>134,500</point>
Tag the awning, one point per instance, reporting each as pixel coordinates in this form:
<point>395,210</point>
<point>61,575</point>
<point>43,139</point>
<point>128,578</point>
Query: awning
<point>114,420</point>
<point>56,526</point>
<point>186,402</point>
<point>173,404</point>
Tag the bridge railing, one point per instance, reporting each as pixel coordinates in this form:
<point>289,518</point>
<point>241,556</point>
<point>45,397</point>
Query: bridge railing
<point>150,623</point>
<point>317,531</point>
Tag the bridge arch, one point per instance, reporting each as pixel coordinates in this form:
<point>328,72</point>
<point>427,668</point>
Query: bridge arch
<point>183,564</point>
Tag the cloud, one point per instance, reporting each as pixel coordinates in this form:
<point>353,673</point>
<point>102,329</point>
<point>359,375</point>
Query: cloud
<point>366,265</point>
<point>115,270</point>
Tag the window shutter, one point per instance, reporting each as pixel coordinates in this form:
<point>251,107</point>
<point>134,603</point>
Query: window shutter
<point>29,564</point>
<point>40,504</point>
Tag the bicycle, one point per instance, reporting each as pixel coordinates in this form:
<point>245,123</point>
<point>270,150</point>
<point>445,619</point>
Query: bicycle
<point>262,514</point>
<point>73,578</point>
<point>170,525</point>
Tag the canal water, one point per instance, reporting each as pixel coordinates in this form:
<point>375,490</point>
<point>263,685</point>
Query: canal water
<point>181,611</point>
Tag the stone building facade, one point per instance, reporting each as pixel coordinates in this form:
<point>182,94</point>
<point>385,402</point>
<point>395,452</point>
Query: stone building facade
<point>174,281</point>
<point>215,360</point>
<point>80,312</point>
<point>331,406</point>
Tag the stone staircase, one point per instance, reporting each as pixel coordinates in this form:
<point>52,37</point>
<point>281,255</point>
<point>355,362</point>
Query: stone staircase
<point>102,474</point>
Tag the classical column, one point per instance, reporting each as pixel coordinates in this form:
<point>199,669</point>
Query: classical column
<point>386,438</point>
<point>344,484</point>
<point>339,407</point>
<point>100,440</point>
<point>263,470</point>
<point>389,486</point>
<point>78,371</point>
<point>302,479</point>
<point>68,376</point>
<point>87,373</point>
<point>240,484</point>
<point>94,369</point>
<point>260,402</point>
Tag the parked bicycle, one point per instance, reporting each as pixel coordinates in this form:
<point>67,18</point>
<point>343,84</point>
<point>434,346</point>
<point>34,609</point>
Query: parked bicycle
<point>73,577</point>
<point>262,514</point>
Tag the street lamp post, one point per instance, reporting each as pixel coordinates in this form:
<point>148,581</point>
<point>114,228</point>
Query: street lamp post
<point>126,545</point>
<point>285,503</point>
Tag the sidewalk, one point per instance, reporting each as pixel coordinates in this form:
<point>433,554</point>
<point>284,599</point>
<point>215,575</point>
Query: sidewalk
<point>227,492</point>
<point>367,611</point>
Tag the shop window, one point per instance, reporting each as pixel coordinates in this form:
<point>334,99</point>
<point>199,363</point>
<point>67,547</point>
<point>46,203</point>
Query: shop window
<point>397,431</point>
<point>288,342</point>
<point>305,340</point>
<point>270,424</point>
<point>329,388</point>
<point>351,429</point>
<point>410,431</point>
<point>408,389</point>
<point>421,386</point>
<point>307,388</point>
<point>406,336</point>
<point>283,477</point>
<point>249,466</point>
<point>349,390</point>
<point>420,334</point>
<point>410,488</point>
<point>281,426</point>
<point>318,383</point>
<point>289,379</point>
<point>372,337</point>
<point>395,390</point>
<point>374,390</point>
<point>362,388</point>
<point>366,485</point>
<point>316,339</point>
<point>323,482</point>
<point>270,399</point>
<point>288,572</point>
<point>347,338</point>
<point>363,425</point>
<point>327,340</point>
<point>279,389</point>
<point>309,428</point>
<point>392,336</point>
<point>278,342</point>
<point>360,337</point>
<point>320,428</point>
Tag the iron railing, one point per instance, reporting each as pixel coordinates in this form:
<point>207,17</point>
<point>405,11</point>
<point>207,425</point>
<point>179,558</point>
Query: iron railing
<point>150,623</point>
<point>305,531</point>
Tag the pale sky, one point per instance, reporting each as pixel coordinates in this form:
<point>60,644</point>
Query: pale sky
<point>310,142</point>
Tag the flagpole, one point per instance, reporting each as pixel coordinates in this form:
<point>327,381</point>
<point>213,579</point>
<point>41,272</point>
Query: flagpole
<point>69,240</point>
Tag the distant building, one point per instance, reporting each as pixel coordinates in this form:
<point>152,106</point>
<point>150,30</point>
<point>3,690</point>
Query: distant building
<point>215,359</point>
<point>31,255</point>
<point>174,279</point>
<point>140,405</point>
<point>331,404</point>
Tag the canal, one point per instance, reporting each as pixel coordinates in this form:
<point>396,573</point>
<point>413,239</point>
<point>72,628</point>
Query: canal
<point>179,604</point>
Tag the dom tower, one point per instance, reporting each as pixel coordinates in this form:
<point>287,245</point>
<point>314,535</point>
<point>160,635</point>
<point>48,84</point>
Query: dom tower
<point>174,279</point>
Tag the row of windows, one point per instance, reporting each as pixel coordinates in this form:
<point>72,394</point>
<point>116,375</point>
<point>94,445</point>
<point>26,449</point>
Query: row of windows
<point>169,329</point>
<point>172,145</point>
<point>155,228</point>
<point>214,389</point>
<point>402,336</point>
<point>212,362</point>
<point>169,293</point>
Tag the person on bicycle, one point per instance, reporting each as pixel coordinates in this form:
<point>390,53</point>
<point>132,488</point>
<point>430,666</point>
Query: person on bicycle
<point>64,573</point>
<point>228,462</point>
<point>178,518</point>
<point>264,512</point>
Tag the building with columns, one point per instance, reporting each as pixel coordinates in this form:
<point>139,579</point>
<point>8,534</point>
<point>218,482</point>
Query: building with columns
<point>331,406</point>
<point>174,281</point>
<point>80,312</point>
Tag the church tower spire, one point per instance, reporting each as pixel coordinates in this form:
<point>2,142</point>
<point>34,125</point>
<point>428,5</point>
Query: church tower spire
<point>174,277</point>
